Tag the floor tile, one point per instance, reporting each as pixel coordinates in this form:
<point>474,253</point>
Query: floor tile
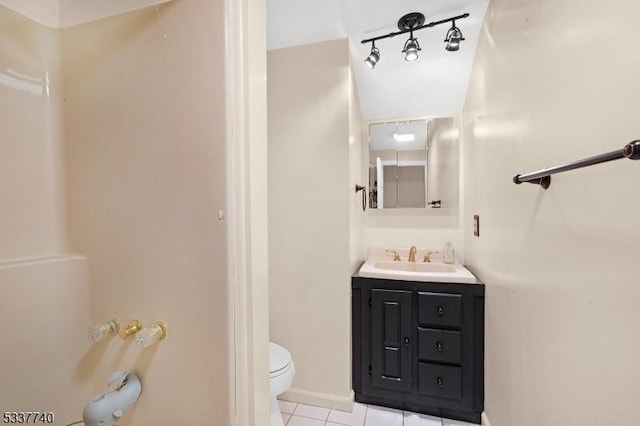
<point>354,418</point>
<point>311,411</point>
<point>415,419</point>
<point>287,406</point>
<point>304,421</point>
<point>285,417</point>
<point>449,422</point>
<point>381,416</point>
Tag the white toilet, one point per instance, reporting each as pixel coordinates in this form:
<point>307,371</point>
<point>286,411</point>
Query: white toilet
<point>281,372</point>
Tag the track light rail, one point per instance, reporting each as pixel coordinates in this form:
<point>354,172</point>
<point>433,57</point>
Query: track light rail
<point>429,25</point>
<point>543,177</point>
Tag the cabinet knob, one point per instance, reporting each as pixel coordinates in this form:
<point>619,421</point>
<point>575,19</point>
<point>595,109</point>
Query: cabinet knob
<point>406,342</point>
<point>440,311</point>
<point>440,382</point>
<point>439,347</point>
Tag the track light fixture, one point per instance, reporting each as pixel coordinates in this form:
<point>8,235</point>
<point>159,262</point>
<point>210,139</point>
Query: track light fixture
<point>414,22</point>
<point>411,48</point>
<point>453,38</point>
<point>373,57</point>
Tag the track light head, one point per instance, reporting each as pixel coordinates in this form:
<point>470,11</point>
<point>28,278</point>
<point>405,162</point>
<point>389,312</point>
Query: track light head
<point>453,38</point>
<point>409,22</point>
<point>373,57</point>
<point>411,49</point>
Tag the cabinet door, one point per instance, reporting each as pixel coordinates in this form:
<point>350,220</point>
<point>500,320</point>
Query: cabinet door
<point>390,339</point>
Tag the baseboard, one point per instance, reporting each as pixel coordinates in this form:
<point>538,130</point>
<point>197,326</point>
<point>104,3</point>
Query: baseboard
<point>485,419</point>
<point>319,399</point>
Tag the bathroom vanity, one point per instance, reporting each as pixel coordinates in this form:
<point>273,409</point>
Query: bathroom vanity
<point>419,346</point>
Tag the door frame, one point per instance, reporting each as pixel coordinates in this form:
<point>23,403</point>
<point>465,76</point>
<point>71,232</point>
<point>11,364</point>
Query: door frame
<point>246,109</point>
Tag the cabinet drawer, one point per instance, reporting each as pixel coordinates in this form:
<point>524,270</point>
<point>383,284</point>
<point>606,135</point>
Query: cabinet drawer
<point>440,380</point>
<point>440,309</point>
<point>439,345</point>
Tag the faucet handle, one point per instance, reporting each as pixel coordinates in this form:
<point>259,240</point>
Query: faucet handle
<point>396,255</point>
<point>427,257</point>
<point>100,331</point>
<point>148,336</point>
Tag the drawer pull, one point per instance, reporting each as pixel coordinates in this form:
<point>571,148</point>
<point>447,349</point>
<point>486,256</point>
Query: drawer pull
<point>439,347</point>
<point>440,382</point>
<point>440,311</point>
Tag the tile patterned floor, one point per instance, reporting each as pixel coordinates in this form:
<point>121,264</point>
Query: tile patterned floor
<point>294,414</point>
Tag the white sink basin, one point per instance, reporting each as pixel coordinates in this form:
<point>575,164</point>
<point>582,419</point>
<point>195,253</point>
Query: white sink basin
<point>380,264</point>
<point>415,266</point>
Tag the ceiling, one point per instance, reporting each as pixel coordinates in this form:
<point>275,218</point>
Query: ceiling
<point>66,13</point>
<point>434,85</point>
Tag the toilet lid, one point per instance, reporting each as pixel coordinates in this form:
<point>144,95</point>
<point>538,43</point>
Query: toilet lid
<point>279,357</point>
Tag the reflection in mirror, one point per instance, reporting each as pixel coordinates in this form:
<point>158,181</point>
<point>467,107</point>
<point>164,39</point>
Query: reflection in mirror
<point>398,157</point>
<point>413,164</point>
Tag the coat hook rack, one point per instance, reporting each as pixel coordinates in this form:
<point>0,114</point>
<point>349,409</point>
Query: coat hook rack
<point>543,177</point>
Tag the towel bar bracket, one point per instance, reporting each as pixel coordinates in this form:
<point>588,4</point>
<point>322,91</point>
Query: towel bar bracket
<point>544,181</point>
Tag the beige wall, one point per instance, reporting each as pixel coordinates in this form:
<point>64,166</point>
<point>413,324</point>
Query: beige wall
<point>145,140</point>
<point>357,176</point>
<point>403,228</point>
<point>309,201</point>
<point>550,86</point>
<point>44,317</point>
<point>43,307</point>
<point>30,174</point>
<point>443,140</point>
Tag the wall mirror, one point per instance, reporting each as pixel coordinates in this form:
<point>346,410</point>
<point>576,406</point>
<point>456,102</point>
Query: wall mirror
<point>414,163</point>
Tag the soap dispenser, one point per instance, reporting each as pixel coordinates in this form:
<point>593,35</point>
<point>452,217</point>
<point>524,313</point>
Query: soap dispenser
<point>448,253</point>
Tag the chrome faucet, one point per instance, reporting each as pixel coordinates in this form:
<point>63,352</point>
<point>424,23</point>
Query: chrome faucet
<point>412,253</point>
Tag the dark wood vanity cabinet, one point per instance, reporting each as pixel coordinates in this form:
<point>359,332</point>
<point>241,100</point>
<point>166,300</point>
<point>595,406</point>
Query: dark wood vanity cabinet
<point>419,346</point>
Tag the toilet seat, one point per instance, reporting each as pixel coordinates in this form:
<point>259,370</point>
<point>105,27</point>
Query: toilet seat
<point>279,360</point>
<point>281,372</point>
